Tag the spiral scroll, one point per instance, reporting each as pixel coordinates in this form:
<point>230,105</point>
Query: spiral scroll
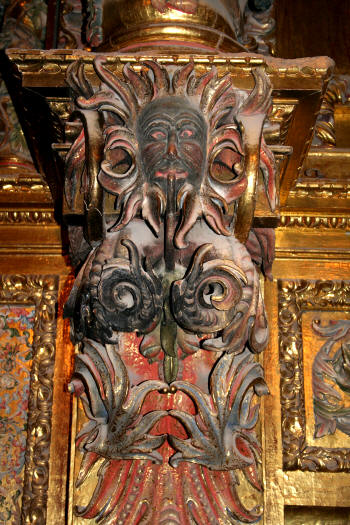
<point>204,301</point>
<point>120,296</point>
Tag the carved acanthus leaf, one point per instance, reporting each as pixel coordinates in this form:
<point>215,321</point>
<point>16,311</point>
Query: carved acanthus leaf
<point>221,436</point>
<point>330,370</point>
<point>114,430</point>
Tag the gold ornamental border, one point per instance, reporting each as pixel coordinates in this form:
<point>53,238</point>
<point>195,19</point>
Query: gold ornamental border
<point>15,217</point>
<point>315,221</point>
<point>40,291</point>
<point>294,298</point>
<point>23,185</point>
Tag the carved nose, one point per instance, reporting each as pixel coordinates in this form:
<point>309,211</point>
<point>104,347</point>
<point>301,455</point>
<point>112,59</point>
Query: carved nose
<point>172,149</point>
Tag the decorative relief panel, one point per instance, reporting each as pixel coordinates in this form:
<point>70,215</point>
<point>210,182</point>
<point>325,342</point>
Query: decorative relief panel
<point>331,378</point>
<point>166,310</point>
<point>314,384</point>
<point>16,336</point>
<point>28,346</point>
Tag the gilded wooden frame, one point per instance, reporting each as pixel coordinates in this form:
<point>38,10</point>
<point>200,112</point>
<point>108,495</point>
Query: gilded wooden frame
<point>294,298</point>
<point>40,291</point>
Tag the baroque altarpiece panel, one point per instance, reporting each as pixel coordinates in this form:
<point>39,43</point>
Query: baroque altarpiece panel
<point>170,193</point>
<point>174,169</point>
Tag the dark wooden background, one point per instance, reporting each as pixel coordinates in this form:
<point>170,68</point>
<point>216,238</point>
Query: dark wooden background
<point>312,28</point>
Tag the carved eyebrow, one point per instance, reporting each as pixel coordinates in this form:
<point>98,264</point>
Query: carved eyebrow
<point>186,121</point>
<point>191,118</point>
<point>158,121</point>
<point>155,125</point>
<point>157,118</point>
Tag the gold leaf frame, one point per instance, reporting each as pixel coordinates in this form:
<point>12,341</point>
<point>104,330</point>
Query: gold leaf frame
<point>40,291</point>
<point>294,298</point>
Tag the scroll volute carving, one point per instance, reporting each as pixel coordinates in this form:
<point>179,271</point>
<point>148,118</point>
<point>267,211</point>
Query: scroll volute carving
<point>181,153</point>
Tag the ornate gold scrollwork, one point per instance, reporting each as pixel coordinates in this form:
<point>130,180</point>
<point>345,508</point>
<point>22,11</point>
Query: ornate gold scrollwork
<point>295,297</point>
<point>41,291</point>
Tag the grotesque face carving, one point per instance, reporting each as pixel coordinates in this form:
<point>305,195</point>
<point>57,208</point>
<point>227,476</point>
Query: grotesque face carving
<point>176,127</point>
<point>172,136</point>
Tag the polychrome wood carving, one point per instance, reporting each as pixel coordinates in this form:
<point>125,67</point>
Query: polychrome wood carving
<point>167,310</point>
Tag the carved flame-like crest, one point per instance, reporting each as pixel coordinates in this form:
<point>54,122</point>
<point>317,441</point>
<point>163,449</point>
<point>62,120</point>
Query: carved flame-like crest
<point>223,179</point>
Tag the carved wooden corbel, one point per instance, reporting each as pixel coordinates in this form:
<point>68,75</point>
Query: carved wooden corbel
<point>181,153</point>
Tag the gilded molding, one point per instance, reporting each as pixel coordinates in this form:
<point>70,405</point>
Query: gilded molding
<point>23,184</point>
<point>27,217</point>
<point>283,113</point>
<point>318,222</point>
<point>56,62</point>
<point>295,297</point>
<point>42,292</point>
<point>316,190</point>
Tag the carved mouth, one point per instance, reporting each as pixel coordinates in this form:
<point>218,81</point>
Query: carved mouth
<point>178,173</point>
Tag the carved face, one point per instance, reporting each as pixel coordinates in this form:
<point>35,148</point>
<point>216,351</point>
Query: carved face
<point>172,136</point>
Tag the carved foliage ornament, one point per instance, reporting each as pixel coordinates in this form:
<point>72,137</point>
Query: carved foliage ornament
<point>178,151</point>
<point>40,291</point>
<point>135,163</point>
<point>295,297</point>
<point>331,378</point>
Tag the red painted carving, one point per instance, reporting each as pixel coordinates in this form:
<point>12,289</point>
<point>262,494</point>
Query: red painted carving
<point>167,308</point>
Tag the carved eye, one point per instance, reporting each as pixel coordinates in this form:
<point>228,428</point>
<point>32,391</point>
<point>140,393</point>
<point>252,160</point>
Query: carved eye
<point>120,160</point>
<point>225,165</point>
<point>186,133</point>
<point>158,135</point>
